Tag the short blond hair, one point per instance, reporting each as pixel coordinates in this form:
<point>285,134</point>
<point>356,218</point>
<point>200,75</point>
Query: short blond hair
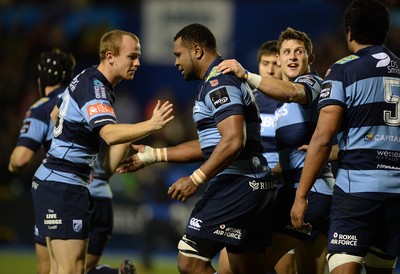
<point>111,41</point>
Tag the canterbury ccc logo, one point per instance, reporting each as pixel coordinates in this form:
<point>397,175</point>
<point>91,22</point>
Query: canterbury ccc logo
<point>195,222</point>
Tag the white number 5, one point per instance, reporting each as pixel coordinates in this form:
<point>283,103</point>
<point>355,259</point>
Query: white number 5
<point>392,119</point>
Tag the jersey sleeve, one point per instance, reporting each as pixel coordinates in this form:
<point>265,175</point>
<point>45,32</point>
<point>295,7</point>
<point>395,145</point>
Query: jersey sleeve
<point>35,126</point>
<point>312,85</point>
<point>97,108</point>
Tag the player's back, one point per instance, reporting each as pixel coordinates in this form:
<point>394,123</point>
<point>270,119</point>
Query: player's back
<point>369,138</point>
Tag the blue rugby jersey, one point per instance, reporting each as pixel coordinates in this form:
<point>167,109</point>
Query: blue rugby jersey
<point>220,96</point>
<point>367,86</point>
<point>87,105</point>
<point>295,125</point>
<point>37,126</point>
<point>267,107</point>
<point>99,186</point>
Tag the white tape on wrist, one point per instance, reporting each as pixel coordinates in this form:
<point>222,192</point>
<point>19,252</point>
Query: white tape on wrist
<point>152,155</point>
<point>253,79</point>
<point>198,177</point>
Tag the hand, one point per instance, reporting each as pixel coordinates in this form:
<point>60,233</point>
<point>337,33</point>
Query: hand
<point>182,189</point>
<point>299,208</point>
<point>231,65</point>
<point>161,114</point>
<point>133,162</point>
<point>303,148</point>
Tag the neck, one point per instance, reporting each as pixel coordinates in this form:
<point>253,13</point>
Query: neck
<point>206,62</point>
<point>354,46</point>
<point>49,89</point>
<point>107,72</point>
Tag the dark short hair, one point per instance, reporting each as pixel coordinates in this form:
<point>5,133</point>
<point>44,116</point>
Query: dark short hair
<point>267,48</point>
<point>368,21</point>
<point>292,34</point>
<point>197,34</point>
<point>55,67</point>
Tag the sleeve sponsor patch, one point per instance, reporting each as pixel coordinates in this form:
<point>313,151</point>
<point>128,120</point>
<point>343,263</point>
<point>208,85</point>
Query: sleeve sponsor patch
<point>99,90</point>
<point>99,108</point>
<point>307,80</point>
<point>25,127</point>
<point>219,97</point>
<point>325,91</point>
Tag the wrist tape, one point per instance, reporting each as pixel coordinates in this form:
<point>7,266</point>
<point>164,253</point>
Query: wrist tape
<point>198,177</point>
<point>153,155</point>
<point>252,79</point>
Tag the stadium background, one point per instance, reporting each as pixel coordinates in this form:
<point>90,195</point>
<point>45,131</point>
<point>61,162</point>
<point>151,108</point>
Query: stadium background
<point>147,222</point>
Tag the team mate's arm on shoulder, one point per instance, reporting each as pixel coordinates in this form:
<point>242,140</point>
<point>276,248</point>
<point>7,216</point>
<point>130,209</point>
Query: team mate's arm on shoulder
<point>318,153</point>
<point>114,134</point>
<point>280,90</point>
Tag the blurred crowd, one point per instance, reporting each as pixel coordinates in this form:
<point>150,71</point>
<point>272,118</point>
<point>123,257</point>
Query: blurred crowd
<point>29,28</point>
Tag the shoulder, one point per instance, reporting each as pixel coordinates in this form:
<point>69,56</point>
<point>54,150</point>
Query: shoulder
<point>215,78</point>
<point>310,79</point>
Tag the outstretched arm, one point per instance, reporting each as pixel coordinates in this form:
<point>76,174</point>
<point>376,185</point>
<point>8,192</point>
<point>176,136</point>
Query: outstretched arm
<point>187,152</point>
<point>114,134</point>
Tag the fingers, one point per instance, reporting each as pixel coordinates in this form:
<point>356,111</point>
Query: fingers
<point>176,193</point>
<point>157,105</point>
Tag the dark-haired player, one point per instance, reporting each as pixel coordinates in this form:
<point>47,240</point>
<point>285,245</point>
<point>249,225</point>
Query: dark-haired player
<point>360,103</point>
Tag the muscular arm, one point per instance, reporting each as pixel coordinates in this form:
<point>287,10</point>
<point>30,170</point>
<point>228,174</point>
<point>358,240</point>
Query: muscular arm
<point>187,152</point>
<point>20,159</point>
<point>232,142</point>
<point>280,90</point>
<point>318,152</point>
<point>233,139</point>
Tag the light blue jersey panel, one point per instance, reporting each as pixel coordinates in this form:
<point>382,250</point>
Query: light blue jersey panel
<point>86,105</point>
<point>37,126</point>
<point>221,96</point>
<point>295,125</point>
<point>100,187</point>
<point>367,86</point>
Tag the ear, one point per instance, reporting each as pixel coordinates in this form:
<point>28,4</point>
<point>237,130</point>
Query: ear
<point>348,35</point>
<point>110,57</point>
<point>311,58</point>
<point>198,51</point>
<point>278,60</point>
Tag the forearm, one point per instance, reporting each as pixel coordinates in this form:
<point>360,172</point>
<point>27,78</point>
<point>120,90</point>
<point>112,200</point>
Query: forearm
<point>283,91</point>
<point>115,155</point>
<point>114,134</point>
<point>20,159</point>
<point>223,155</point>
<point>187,152</point>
